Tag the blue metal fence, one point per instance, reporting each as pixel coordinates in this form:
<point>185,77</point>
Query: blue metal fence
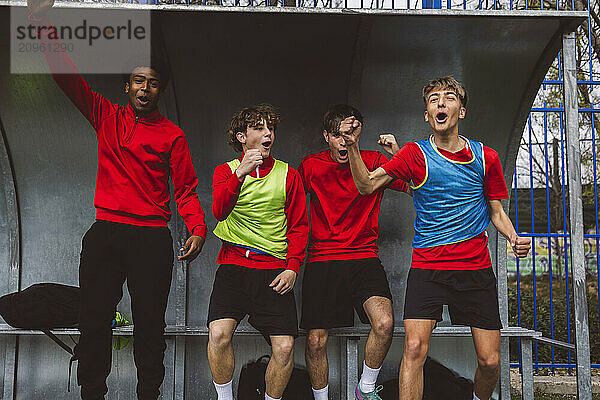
<point>540,180</point>
<point>539,191</point>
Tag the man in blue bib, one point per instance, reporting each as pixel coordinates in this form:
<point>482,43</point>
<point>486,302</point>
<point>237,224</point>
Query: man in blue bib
<point>457,186</point>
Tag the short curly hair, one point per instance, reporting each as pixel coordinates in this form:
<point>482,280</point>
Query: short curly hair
<point>251,117</point>
<point>446,82</point>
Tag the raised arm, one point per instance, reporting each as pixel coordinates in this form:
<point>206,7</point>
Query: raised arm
<point>92,105</point>
<point>366,181</point>
<point>520,245</point>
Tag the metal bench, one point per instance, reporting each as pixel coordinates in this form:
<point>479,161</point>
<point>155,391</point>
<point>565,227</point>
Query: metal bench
<point>349,348</point>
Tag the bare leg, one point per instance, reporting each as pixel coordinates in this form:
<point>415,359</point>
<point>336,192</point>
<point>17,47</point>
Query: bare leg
<point>316,357</point>
<point>487,346</point>
<point>416,345</point>
<point>220,350</point>
<point>381,315</point>
<point>281,365</point>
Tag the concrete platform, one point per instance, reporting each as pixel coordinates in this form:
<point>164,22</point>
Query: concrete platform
<point>556,384</point>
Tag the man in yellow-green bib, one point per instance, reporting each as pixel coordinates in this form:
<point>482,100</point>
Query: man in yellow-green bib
<point>261,207</point>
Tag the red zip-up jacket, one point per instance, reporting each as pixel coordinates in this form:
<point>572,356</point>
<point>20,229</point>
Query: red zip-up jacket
<point>136,156</point>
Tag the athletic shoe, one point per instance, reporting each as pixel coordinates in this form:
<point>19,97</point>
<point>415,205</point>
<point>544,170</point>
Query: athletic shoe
<point>368,396</point>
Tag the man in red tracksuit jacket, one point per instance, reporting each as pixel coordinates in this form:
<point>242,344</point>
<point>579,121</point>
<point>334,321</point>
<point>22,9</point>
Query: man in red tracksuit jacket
<point>343,272</point>
<point>138,150</point>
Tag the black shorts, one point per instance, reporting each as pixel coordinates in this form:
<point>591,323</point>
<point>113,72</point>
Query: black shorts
<point>471,296</point>
<point>240,291</point>
<point>332,290</point>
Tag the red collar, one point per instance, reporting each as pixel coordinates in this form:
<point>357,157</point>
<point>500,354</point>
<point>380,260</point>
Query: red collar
<point>153,116</point>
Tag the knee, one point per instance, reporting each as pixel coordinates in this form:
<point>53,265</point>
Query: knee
<point>219,338</point>
<point>283,351</point>
<point>384,326</point>
<point>415,350</point>
<point>489,364</point>
<point>315,344</point>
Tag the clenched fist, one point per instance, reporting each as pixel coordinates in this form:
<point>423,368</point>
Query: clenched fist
<point>350,130</point>
<point>39,7</point>
<point>389,144</point>
<point>520,246</point>
<point>252,159</point>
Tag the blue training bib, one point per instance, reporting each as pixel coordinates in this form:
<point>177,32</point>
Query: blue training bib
<point>450,203</point>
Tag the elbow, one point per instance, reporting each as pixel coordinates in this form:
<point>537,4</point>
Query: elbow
<point>220,217</point>
<point>219,214</point>
<point>365,191</point>
<point>366,188</point>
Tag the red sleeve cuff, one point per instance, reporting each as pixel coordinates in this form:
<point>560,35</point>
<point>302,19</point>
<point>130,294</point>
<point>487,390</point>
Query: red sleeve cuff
<point>293,264</point>
<point>233,184</point>
<point>200,231</point>
<point>33,18</point>
<point>497,196</point>
<point>385,168</point>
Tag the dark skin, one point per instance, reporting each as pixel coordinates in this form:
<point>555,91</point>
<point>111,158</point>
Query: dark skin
<point>143,92</point>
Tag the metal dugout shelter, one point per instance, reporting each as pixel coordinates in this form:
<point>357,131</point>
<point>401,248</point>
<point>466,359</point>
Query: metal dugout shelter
<point>302,61</point>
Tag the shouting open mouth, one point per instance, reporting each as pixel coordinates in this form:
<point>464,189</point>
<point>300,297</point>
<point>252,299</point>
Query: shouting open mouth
<point>441,117</point>
<point>267,144</point>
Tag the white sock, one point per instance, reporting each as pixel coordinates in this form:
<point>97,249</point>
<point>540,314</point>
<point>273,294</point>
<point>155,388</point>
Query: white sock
<point>267,397</point>
<point>321,394</point>
<point>225,391</point>
<point>475,397</point>
<point>368,378</point>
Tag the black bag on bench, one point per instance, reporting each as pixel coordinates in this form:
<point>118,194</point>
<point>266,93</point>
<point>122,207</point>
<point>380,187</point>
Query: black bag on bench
<point>43,306</point>
<point>251,385</point>
<point>439,383</point>
<point>46,306</point>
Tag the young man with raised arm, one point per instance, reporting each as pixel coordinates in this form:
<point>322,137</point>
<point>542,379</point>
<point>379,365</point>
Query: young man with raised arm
<point>343,272</point>
<point>457,186</point>
<point>263,224</point>
<point>138,150</point>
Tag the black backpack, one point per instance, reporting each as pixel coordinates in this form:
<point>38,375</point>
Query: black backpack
<point>439,383</point>
<point>44,306</point>
<point>251,385</point>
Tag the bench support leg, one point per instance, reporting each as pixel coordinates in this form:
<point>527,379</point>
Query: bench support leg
<point>349,375</point>
<point>167,389</point>
<point>10,367</point>
<point>174,384</point>
<point>179,391</point>
<point>527,369</point>
<point>504,368</point>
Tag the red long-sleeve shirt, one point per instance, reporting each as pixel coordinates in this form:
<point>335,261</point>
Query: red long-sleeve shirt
<point>136,156</point>
<point>409,165</point>
<point>343,224</point>
<point>226,190</point>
